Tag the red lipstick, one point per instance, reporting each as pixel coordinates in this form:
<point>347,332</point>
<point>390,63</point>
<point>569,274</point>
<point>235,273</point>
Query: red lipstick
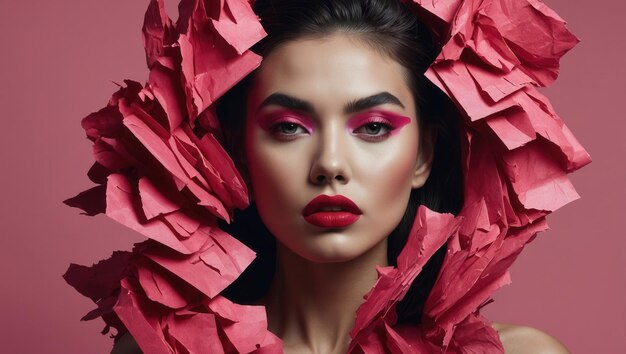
<point>334,211</point>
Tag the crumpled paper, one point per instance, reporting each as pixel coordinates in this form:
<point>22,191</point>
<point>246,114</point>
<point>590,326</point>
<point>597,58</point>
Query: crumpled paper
<point>517,154</point>
<point>157,177</point>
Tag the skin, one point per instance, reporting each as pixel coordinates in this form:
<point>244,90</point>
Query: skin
<point>331,151</point>
<point>294,155</point>
<point>515,338</point>
<point>323,273</point>
<point>518,339</point>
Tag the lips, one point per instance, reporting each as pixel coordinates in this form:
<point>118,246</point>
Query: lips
<point>331,211</point>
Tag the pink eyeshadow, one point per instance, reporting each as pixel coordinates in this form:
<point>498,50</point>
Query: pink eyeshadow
<point>396,121</point>
<point>285,116</point>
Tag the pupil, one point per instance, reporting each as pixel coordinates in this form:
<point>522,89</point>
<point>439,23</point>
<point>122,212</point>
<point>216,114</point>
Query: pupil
<point>373,128</point>
<point>289,128</point>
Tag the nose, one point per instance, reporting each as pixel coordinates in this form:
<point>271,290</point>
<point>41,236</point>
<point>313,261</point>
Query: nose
<point>330,164</point>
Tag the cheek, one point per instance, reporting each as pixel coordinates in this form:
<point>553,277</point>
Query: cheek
<point>391,190</point>
<point>387,185</point>
<point>276,179</point>
<point>388,174</point>
<point>273,169</point>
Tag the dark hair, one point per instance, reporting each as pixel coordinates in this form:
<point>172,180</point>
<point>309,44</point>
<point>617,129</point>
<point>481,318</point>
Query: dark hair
<point>388,26</point>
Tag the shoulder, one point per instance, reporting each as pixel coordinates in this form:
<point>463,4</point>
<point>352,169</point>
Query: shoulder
<point>518,339</point>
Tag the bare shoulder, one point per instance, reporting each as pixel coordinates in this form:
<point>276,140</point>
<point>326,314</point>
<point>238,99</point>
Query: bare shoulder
<point>518,339</point>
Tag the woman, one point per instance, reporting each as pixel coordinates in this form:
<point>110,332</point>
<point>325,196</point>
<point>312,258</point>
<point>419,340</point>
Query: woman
<point>340,137</point>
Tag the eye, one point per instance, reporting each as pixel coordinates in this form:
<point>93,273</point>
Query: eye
<point>374,128</point>
<point>376,125</point>
<point>373,131</point>
<point>287,130</point>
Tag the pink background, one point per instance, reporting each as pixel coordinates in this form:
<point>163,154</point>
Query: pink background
<point>57,63</point>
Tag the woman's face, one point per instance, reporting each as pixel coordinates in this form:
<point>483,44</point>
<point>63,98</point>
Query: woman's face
<point>332,117</point>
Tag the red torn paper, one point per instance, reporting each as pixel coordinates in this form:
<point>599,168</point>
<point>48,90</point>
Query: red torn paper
<point>157,177</point>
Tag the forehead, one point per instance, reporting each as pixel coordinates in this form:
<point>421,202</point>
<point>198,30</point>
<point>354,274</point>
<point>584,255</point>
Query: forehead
<point>330,70</point>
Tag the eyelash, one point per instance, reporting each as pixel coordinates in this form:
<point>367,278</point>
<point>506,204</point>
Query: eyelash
<point>384,125</point>
<point>275,129</point>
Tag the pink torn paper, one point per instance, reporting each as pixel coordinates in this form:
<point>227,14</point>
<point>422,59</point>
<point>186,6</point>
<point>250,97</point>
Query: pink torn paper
<point>160,178</point>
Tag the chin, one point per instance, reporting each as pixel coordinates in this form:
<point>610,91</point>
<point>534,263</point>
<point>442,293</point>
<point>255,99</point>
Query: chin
<point>335,248</point>
<point>328,257</point>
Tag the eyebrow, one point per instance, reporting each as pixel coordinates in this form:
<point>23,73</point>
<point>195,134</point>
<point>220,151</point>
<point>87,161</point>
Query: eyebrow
<point>372,101</point>
<point>290,102</point>
<point>280,99</point>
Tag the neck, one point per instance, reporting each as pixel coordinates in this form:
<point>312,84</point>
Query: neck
<point>311,306</point>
